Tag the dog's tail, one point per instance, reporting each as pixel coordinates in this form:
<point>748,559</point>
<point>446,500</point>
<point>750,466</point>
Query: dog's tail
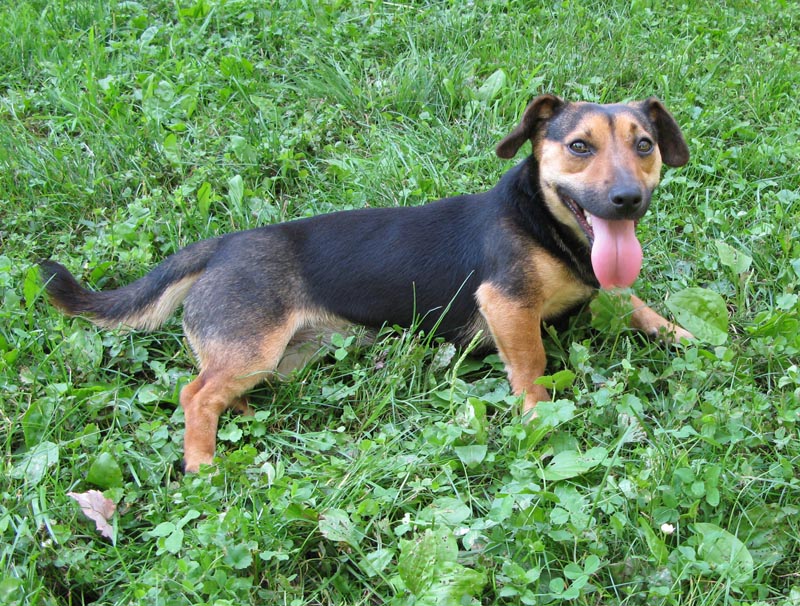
<point>144,304</point>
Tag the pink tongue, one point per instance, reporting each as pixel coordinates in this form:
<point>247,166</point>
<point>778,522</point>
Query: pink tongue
<point>616,253</point>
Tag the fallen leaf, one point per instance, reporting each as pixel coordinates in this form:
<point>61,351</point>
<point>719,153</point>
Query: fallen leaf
<point>702,312</point>
<point>98,508</point>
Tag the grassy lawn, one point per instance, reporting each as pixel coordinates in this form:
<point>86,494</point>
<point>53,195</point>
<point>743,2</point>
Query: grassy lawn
<point>399,473</point>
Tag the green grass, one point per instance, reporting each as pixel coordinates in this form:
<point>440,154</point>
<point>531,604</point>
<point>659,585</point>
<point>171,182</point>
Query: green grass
<point>400,473</point>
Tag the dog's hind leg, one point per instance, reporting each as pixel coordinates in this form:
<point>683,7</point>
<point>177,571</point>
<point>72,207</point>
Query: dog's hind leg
<point>228,368</point>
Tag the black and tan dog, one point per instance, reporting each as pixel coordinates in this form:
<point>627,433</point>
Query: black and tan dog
<point>557,226</point>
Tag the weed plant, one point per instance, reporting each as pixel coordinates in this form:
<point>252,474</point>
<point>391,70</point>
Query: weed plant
<point>400,472</point>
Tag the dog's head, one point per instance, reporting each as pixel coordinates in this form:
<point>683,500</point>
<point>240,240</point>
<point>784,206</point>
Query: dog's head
<point>598,166</point>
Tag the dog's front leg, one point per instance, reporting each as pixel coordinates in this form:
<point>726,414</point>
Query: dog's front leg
<point>653,325</point>
<point>516,328</point>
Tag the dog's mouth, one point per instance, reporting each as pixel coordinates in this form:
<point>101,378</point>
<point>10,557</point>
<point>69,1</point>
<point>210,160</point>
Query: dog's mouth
<point>583,217</point>
<point>616,252</point>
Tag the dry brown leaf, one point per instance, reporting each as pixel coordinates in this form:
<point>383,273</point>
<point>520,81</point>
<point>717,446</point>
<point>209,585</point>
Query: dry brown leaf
<point>96,507</point>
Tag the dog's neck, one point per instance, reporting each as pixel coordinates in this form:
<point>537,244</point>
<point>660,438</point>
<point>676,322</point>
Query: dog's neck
<point>539,222</point>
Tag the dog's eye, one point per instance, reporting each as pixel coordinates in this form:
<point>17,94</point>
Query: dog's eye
<point>644,146</point>
<point>579,147</point>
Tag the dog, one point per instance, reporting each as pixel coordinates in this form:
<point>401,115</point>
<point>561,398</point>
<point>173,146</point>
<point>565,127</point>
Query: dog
<point>489,267</point>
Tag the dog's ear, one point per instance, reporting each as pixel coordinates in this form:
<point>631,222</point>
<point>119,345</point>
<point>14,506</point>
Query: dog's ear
<point>671,144</point>
<point>539,111</point>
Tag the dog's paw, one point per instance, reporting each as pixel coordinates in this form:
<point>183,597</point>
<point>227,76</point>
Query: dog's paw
<point>669,333</point>
<point>680,334</point>
<point>533,396</point>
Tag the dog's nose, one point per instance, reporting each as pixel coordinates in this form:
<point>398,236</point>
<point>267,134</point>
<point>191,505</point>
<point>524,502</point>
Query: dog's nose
<point>626,198</point>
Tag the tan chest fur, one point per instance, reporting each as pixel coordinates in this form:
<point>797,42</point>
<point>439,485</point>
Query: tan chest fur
<point>557,288</point>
